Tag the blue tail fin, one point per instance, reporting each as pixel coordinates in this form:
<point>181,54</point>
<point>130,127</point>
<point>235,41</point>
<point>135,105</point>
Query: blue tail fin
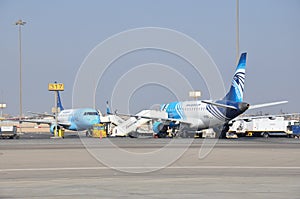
<point>107,108</point>
<point>236,91</point>
<point>59,104</point>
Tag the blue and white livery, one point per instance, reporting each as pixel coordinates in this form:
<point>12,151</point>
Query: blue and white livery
<point>236,91</point>
<point>71,119</point>
<point>198,115</point>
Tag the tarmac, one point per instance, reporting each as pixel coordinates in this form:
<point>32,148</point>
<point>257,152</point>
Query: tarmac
<point>80,167</point>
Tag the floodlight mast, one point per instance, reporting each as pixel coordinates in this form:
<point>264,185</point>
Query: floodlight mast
<point>20,23</point>
<point>237,32</point>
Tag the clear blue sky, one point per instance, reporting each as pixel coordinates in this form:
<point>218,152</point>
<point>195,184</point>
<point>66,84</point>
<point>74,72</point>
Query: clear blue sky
<point>60,34</point>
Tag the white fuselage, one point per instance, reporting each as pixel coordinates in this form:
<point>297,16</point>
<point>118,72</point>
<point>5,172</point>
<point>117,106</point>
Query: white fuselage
<point>195,115</point>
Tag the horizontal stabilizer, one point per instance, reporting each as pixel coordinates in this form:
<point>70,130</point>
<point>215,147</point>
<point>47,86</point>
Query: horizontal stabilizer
<point>220,105</point>
<point>267,104</point>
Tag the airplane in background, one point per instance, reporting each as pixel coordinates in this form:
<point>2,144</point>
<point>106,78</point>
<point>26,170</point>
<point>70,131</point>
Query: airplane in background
<point>203,114</point>
<point>71,119</point>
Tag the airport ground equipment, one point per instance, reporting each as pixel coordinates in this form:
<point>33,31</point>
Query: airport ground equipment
<point>8,132</point>
<point>129,127</point>
<point>294,130</point>
<point>111,121</point>
<point>207,133</point>
<point>265,126</point>
<point>61,133</point>
<point>99,131</point>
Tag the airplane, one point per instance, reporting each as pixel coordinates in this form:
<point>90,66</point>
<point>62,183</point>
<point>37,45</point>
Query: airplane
<point>203,114</point>
<point>71,119</point>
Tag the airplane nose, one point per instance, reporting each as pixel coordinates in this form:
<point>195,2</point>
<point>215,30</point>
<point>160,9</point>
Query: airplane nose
<point>93,120</point>
<point>96,120</point>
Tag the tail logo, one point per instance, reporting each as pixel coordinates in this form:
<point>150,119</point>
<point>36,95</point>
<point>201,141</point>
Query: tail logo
<point>238,84</point>
<point>236,90</point>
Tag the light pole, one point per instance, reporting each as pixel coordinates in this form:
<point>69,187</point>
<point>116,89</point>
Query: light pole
<point>20,23</point>
<point>2,106</point>
<point>195,94</point>
<point>237,32</point>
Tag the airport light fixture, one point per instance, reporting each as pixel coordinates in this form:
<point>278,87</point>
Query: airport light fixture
<point>20,23</point>
<point>2,106</point>
<point>195,94</point>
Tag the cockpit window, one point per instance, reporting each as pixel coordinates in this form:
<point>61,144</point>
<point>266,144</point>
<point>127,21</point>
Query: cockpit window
<point>90,113</point>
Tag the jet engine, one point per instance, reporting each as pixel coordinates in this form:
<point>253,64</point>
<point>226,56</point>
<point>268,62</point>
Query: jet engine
<point>52,128</point>
<point>160,129</point>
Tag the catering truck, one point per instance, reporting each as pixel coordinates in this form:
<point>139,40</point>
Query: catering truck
<point>8,132</point>
<point>262,126</point>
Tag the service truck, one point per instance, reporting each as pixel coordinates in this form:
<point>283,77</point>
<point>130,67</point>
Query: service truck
<point>8,132</point>
<point>264,126</point>
<point>294,130</point>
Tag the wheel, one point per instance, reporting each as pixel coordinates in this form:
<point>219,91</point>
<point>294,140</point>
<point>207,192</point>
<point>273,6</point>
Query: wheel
<point>183,134</point>
<point>162,134</point>
<point>133,135</point>
<point>266,135</point>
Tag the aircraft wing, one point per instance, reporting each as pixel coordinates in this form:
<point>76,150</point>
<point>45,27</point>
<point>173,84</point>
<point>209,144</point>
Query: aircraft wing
<point>39,121</point>
<point>42,114</point>
<point>177,120</point>
<point>156,118</point>
<point>18,118</point>
<point>266,104</point>
<point>47,121</point>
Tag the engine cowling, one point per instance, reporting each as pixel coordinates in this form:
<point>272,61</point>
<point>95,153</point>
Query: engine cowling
<point>157,127</point>
<point>173,125</point>
<point>52,128</point>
